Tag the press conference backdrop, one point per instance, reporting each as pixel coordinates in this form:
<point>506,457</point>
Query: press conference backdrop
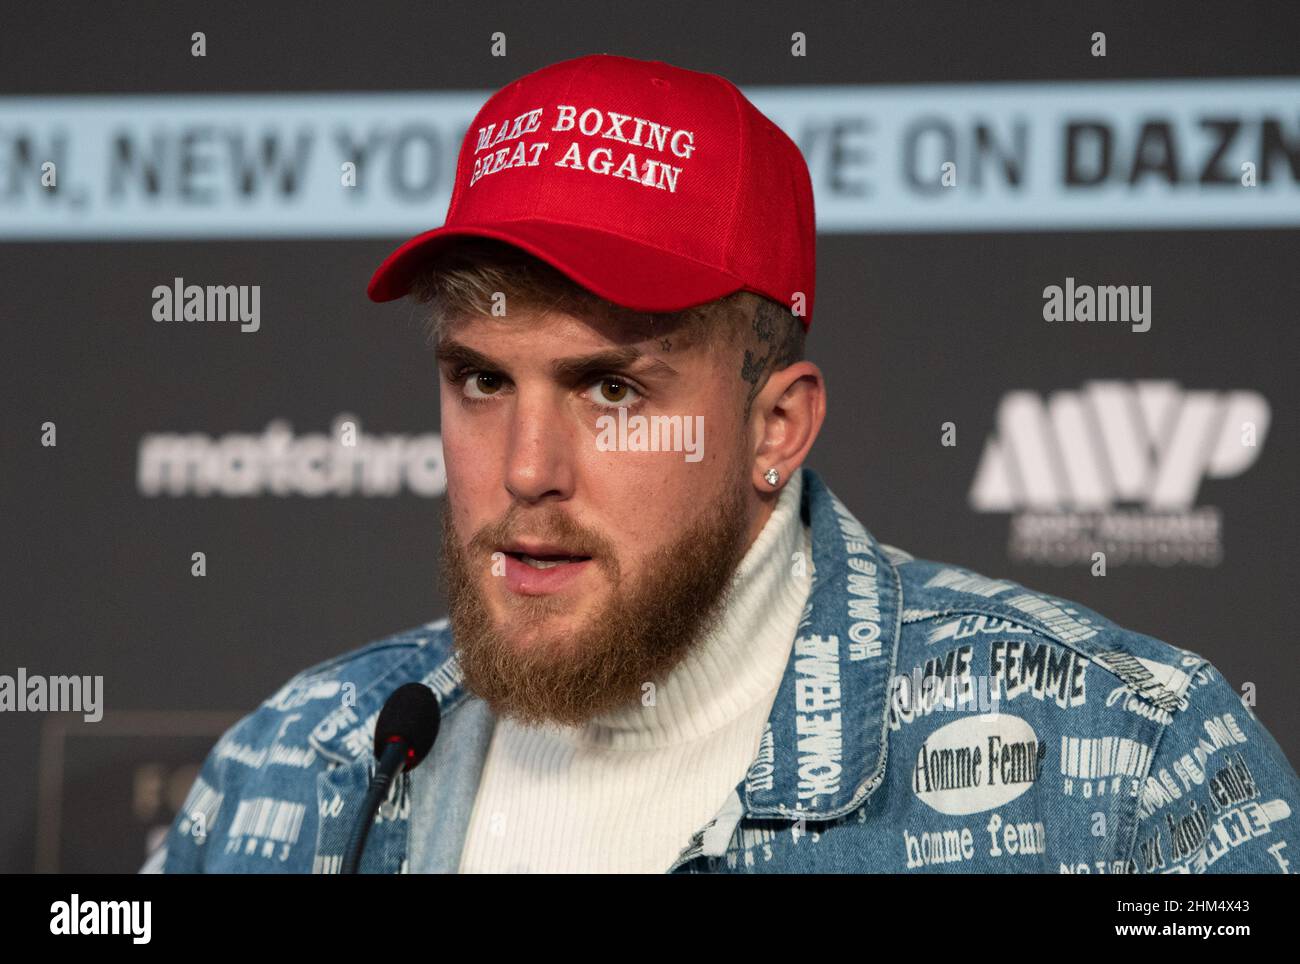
<point>980,179</point>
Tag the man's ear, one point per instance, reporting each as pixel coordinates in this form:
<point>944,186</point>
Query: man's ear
<point>785,420</point>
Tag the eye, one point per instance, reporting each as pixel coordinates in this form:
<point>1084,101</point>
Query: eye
<point>481,385</point>
<point>614,392</point>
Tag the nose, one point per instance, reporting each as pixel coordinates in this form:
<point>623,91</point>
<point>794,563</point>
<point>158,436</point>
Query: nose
<point>539,459</point>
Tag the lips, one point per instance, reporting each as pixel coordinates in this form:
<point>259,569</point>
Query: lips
<point>541,555</point>
<point>536,568</point>
<point>543,563</point>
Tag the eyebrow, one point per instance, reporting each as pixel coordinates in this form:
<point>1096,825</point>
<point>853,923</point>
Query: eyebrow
<point>568,369</point>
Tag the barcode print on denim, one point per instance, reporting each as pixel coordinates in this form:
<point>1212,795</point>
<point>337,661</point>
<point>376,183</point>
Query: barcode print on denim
<point>278,820</point>
<point>1094,758</point>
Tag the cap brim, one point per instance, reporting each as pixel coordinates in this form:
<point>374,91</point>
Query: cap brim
<point>622,271</point>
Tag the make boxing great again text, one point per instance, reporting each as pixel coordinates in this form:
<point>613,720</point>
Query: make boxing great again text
<point>640,135</point>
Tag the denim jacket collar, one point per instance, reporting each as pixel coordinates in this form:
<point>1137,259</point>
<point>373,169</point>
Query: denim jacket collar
<point>823,747</point>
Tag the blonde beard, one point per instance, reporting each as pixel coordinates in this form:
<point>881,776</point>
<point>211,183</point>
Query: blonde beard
<point>639,634</point>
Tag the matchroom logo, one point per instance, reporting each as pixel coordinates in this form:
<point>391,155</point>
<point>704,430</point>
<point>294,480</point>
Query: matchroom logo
<point>345,462</point>
<point>1116,467</point>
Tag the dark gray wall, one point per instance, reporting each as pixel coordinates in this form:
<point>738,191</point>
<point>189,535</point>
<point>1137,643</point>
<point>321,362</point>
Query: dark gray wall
<point>911,330</point>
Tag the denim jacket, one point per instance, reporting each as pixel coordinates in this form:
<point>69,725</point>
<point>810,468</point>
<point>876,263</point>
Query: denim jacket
<point>930,719</point>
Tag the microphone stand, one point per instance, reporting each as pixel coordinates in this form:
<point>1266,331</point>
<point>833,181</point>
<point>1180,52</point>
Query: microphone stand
<point>395,754</point>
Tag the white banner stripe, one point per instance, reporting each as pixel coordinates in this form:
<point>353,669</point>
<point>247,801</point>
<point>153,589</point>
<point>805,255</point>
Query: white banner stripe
<point>1033,156</point>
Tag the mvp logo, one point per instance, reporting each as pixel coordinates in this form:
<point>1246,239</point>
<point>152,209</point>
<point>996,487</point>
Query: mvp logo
<point>1148,443</point>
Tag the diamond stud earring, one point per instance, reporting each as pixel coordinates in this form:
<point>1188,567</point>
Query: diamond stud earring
<point>772,476</point>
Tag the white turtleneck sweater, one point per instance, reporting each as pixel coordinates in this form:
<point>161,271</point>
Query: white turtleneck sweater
<point>624,792</point>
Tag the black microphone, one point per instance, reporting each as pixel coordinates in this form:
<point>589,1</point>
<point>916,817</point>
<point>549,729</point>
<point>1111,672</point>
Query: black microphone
<point>404,734</point>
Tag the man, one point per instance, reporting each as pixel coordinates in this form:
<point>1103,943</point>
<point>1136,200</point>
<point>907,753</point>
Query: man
<point>670,647</point>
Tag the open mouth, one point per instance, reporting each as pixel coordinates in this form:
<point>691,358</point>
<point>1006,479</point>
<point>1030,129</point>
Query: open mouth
<point>546,561</point>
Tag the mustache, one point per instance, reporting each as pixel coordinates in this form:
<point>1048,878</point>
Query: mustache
<point>553,527</point>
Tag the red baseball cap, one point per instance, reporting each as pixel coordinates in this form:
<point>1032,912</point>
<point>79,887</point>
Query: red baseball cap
<point>655,187</point>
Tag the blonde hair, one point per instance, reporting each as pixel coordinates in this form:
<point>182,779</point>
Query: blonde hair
<point>466,278</point>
